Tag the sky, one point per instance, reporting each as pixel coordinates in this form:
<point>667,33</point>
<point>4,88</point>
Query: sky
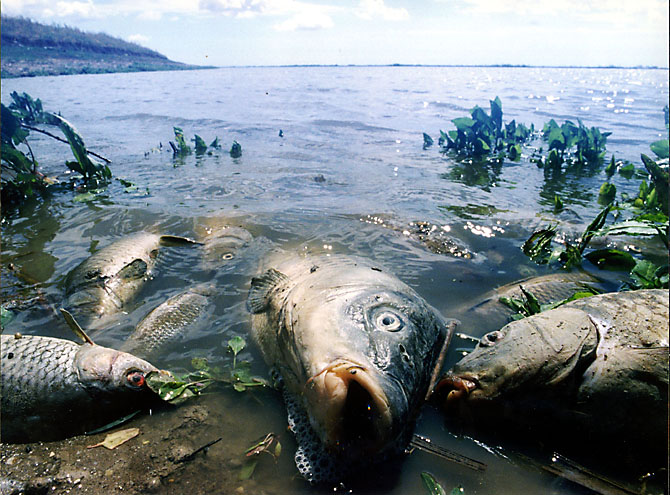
<point>442,32</point>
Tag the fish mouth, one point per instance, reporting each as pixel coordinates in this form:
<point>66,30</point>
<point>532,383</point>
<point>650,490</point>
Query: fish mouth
<point>350,407</point>
<point>453,388</point>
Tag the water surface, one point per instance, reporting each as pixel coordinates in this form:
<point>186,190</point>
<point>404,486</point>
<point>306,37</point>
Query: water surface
<point>351,149</point>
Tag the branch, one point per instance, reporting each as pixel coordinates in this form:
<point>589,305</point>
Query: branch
<point>58,138</point>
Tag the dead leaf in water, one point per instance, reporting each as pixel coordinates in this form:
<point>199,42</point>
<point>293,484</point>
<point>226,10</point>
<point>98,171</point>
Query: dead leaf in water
<point>113,440</point>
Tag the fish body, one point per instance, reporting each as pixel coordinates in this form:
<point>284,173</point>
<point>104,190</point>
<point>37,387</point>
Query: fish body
<point>106,281</point>
<point>54,388</point>
<point>355,348</point>
<point>594,369</point>
<point>548,289</point>
<point>169,320</point>
<point>220,245</point>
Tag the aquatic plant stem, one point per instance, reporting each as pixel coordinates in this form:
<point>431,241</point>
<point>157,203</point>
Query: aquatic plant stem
<point>58,138</point>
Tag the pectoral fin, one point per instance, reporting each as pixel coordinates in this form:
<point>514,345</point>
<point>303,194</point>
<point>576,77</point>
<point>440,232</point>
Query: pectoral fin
<point>261,289</point>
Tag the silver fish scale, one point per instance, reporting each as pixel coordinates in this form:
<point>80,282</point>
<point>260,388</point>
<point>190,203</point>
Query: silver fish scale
<point>167,321</point>
<point>35,368</point>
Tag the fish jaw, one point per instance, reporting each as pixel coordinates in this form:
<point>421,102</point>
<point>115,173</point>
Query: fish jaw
<point>350,408</point>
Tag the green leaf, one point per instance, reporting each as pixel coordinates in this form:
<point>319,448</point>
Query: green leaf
<point>660,148</point>
<point>660,180</point>
<point>611,259</point>
<point>427,141</point>
<point>593,228</point>
<point>611,168</point>
<point>607,193</point>
<point>200,145</point>
<point>236,344</point>
<point>630,227</point>
<point>531,301</point>
<point>236,150</point>
<point>463,123</point>
<point>644,275</point>
<point>627,171</point>
<point>558,204</point>
<point>431,484</point>
<point>459,490</point>
<point>215,144</point>
<point>248,469</point>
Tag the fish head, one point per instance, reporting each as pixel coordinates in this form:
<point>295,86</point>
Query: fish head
<point>370,360</point>
<point>107,371</point>
<point>532,356</point>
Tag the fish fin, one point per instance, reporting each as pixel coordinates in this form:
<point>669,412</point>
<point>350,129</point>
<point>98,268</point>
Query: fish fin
<point>261,287</point>
<point>175,240</point>
<point>74,326</point>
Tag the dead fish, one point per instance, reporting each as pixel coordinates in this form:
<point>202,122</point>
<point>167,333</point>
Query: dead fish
<point>169,320</point>
<point>436,238</point>
<point>54,388</point>
<point>547,289</point>
<point>595,369</point>
<point>106,281</point>
<point>354,347</point>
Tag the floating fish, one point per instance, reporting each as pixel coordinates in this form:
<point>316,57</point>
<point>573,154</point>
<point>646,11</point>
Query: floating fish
<point>170,320</point>
<point>105,282</point>
<point>54,388</point>
<point>354,348</point>
<point>595,369</point>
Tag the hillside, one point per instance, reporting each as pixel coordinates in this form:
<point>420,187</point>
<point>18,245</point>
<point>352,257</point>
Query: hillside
<point>33,49</point>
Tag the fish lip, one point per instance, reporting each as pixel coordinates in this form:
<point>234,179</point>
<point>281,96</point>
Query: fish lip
<point>340,386</point>
<point>457,387</point>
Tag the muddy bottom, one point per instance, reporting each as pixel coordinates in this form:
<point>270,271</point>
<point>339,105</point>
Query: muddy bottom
<point>166,457</point>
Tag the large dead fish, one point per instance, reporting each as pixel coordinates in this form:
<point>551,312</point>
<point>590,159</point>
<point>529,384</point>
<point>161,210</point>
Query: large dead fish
<point>105,282</point>
<point>595,369</point>
<point>54,388</point>
<point>355,349</point>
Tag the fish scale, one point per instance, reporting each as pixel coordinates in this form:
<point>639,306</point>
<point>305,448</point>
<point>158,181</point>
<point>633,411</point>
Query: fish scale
<point>53,388</point>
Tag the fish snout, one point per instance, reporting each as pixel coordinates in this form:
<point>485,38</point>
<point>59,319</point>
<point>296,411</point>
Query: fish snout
<point>351,408</point>
<point>452,389</point>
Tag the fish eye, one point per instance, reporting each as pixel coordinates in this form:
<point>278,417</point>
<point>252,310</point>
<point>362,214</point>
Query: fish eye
<point>135,379</point>
<point>491,338</point>
<point>389,321</point>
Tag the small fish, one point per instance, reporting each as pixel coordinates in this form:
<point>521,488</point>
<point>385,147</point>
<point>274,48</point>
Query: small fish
<point>594,368</point>
<point>355,349</point>
<point>54,388</point>
<point>169,320</point>
<point>105,282</point>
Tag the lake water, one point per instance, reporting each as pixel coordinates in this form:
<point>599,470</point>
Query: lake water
<point>351,150</point>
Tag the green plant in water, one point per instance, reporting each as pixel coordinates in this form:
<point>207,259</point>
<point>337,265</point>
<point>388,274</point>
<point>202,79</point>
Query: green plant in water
<point>175,388</point>
<point>529,305</point>
<point>433,487</point>
<point>483,134</point>
<point>20,177</point>
<point>269,444</point>
<point>576,143</point>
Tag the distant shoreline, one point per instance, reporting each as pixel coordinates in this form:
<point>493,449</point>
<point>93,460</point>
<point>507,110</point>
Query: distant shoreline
<point>65,67</point>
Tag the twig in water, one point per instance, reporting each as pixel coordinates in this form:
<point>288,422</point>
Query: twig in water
<point>58,138</point>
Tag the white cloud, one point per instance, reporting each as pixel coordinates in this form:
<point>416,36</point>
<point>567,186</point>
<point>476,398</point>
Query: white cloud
<point>140,39</point>
<point>375,9</point>
<point>307,19</point>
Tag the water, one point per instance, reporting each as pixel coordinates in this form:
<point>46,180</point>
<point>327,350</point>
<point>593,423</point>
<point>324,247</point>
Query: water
<point>351,147</point>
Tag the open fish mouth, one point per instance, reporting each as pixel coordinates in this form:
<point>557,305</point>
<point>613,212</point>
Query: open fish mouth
<point>350,407</point>
<point>455,388</point>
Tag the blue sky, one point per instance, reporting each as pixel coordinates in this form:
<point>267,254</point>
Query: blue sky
<point>278,32</point>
